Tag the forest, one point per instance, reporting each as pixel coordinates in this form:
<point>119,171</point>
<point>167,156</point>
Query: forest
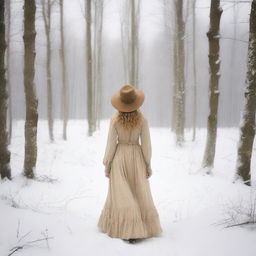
<point>60,63</point>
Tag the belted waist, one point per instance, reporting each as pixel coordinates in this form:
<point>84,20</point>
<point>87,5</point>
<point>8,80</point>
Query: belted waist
<point>128,142</point>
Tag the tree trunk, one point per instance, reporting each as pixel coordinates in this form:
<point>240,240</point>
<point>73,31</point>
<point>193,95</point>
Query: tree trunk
<point>30,94</point>
<point>64,93</point>
<point>47,25</point>
<point>175,83</point>
<point>99,7</point>
<point>90,86</point>
<point>125,41</point>
<point>233,106</point>
<point>194,72</point>
<point>130,41</point>
<point>8,36</point>
<point>135,13</point>
<point>5,169</point>
<point>247,129</point>
<point>180,96</point>
<point>214,62</point>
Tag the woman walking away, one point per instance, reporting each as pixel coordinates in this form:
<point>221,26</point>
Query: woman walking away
<point>129,212</point>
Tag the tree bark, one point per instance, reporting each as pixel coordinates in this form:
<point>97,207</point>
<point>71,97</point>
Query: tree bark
<point>64,94</point>
<point>5,169</point>
<point>135,13</point>
<point>214,62</point>
<point>130,41</point>
<point>194,72</point>
<point>8,57</point>
<point>180,94</point>
<point>175,83</point>
<point>125,41</point>
<point>90,85</point>
<point>99,7</point>
<point>247,128</point>
<point>30,94</point>
<point>47,6</point>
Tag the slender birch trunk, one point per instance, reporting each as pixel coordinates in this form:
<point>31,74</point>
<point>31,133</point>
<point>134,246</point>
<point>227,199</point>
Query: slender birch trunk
<point>135,14</point>
<point>47,6</point>
<point>90,85</point>
<point>175,84</point>
<point>124,20</point>
<point>65,89</point>
<point>99,9</point>
<point>194,71</point>
<point>180,95</point>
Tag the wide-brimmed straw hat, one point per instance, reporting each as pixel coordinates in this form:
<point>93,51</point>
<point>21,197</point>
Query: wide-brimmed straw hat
<point>128,98</point>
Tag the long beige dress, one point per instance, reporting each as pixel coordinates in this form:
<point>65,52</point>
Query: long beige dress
<point>129,210</point>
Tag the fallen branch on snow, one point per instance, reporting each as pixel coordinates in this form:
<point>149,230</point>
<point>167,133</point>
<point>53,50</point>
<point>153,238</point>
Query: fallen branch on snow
<point>19,247</point>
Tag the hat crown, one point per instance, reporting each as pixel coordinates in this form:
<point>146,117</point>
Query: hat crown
<point>127,94</point>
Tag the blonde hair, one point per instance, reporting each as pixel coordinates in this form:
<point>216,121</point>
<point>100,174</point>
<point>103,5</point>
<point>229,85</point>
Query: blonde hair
<point>129,120</point>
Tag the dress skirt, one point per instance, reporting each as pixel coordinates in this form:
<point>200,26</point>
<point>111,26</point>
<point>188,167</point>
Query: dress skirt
<point>129,210</point>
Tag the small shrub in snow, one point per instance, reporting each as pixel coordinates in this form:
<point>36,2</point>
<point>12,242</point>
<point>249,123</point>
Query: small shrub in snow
<point>240,212</point>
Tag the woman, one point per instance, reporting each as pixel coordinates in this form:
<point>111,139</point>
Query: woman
<point>129,212</point>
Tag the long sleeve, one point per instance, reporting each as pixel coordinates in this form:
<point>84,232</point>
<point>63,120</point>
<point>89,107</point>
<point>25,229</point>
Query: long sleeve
<point>146,145</point>
<point>110,147</point>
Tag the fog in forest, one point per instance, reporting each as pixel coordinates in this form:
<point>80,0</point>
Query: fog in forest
<point>155,60</point>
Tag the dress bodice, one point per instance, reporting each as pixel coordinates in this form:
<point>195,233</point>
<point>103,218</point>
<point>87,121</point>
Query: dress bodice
<point>138,136</point>
<point>128,136</point>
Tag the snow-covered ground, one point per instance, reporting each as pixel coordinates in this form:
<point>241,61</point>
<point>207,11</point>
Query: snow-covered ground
<point>65,203</point>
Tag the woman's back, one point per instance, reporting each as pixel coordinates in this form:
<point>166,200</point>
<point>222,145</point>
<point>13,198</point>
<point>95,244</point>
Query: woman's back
<point>129,210</point>
<point>137,136</point>
<point>128,135</point>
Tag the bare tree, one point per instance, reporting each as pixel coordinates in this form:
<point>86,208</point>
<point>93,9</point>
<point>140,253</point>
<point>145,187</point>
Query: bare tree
<point>97,68</point>
<point>130,40</point>
<point>135,15</point>
<point>171,32</point>
<point>124,22</point>
<point>247,128</point>
<point>5,169</point>
<point>64,94</point>
<point>179,62</point>
<point>214,62</point>
<point>94,24</point>
<point>8,57</point>
<point>89,70</point>
<point>233,106</point>
<point>47,13</point>
<point>175,84</point>
<point>194,70</point>
<point>30,94</point>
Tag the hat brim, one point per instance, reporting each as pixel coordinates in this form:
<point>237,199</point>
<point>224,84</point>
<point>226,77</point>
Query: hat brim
<point>119,105</point>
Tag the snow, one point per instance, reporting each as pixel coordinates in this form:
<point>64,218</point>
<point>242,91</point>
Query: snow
<point>218,61</point>
<point>66,200</point>
<point>217,36</point>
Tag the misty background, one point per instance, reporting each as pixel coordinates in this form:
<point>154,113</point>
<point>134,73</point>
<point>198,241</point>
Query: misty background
<point>155,61</point>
